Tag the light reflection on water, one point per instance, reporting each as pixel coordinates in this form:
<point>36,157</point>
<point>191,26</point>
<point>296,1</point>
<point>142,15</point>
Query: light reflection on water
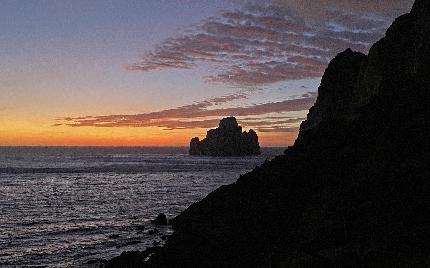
<point>59,207</point>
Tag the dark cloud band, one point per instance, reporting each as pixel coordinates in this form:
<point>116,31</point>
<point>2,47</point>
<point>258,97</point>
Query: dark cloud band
<point>200,114</point>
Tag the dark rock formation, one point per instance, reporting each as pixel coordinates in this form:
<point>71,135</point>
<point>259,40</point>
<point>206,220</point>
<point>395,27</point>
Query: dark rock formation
<point>195,146</point>
<point>113,236</point>
<point>354,189</point>
<point>337,98</point>
<point>153,231</point>
<point>226,140</point>
<point>161,219</point>
<point>128,259</point>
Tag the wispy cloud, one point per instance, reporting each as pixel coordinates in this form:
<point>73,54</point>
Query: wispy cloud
<point>267,43</point>
<point>204,114</point>
<point>258,44</point>
<point>319,10</point>
<point>278,129</point>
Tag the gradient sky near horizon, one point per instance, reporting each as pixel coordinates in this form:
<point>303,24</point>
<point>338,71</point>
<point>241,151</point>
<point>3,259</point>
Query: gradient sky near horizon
<point>157,73</point>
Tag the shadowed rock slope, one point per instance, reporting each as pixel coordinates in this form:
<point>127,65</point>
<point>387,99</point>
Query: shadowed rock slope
<point>354,190</point>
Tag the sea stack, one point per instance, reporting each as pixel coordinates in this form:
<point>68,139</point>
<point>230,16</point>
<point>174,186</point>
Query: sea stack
<point>353,189</point>
<point>226,140</point>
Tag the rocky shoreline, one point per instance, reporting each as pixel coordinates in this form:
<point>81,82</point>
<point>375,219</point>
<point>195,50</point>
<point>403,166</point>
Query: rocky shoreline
<point>351,192</point>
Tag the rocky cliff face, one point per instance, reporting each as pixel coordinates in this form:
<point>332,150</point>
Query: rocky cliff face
<point>226,140</point>
<point>394,64</point>
<point>337,98</point>
<point>354,189</point>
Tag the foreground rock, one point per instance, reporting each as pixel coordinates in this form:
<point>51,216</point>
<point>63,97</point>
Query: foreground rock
<point>128,259</point>
<point>161,219</point>
<point>354,189</point>
<point>226,140</point>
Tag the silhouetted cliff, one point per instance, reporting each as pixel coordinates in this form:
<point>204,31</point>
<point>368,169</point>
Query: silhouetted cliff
<point>354,189</point>
<point>337,98</point>
<point>226,140</point>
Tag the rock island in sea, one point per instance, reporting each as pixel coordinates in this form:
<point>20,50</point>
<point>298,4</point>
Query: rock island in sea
<point>353,189</point>
<point>226,140</point>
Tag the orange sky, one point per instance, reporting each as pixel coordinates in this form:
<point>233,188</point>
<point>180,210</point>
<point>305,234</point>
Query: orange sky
<point>33,135</point>
<point>69,64</point>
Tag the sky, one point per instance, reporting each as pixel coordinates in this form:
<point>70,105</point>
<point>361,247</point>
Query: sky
<point>159,72</point>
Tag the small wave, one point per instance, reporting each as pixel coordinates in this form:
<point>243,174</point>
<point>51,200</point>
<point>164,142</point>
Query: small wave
<point>60,205</point>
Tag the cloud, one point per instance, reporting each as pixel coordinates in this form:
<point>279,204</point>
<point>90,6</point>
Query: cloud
<point>202,114</point>
<point>278,129</point>
<point>272,120</point>
<point>275,41</point>
<point>264,124</point>
<point>319,9</point>
<point>273,71</point>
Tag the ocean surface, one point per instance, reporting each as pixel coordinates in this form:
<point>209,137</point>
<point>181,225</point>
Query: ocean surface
<point>66,207</point>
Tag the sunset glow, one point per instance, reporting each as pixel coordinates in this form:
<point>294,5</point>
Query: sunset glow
<point>156,73</point>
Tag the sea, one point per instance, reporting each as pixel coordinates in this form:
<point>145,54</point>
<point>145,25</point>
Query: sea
<point>72,206</point>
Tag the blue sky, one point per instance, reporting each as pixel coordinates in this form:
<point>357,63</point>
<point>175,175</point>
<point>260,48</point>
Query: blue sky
<point>89,61</point>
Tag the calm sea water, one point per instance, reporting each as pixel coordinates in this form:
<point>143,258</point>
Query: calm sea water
<point>64,207</point>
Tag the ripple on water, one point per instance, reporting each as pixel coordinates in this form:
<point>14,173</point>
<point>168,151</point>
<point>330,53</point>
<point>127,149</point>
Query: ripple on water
<point>62,207</point>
